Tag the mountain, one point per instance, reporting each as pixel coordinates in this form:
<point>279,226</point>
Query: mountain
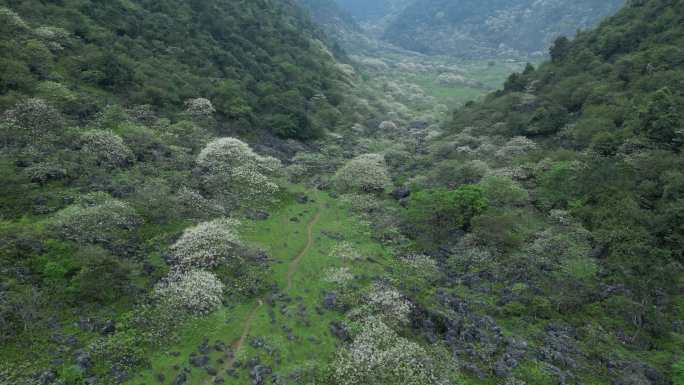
<point>558,205</point>
<point>365,11</point>
<point>337,23</point>
<point>260,62</point>
<point>492,28</point>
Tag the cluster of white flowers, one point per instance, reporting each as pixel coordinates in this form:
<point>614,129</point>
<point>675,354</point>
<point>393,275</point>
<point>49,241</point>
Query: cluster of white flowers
<point>54,37</point>
<point>196,291</point>
<point>338,275</point>
<point>366,173</point>
<point>12,19</point>
<point>106,148</point>
<point>207,245</point>
<point>379,356</point>
<point>388,126</point>
<point>45,171</point>
<point>237,175</point>
<point>345,251</point>
<point>363,203</point>
<point>420,262</point>
<point>199,108</point>
<point>516,147</point>
<point>194,205</point>
<point>95,219</point>
<point>33,120</point>
<point>388,303</point>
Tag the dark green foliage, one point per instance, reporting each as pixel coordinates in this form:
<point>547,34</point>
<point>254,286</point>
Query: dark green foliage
<point>437,213</point>
<point>161,53</point>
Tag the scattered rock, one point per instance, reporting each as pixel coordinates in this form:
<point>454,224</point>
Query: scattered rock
<point>256,215</point>
<point>199,361</point>
<point>180,379</point>
<point>330,300</point>
<point>340,331</point>
<point>109,327</point>
<point>401,192</point>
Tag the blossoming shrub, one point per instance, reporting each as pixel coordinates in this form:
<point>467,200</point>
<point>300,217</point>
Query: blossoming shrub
<point>379,356</point>
<point>96,218</point>
<point>388,303</point>
<point>106,148</point>
<point>345,251</point>
<point>339,275</point>
<point>196,291</point>
<point>236,175</point>
<point>366,173</point>
<point>199,108</point>
<point>193,205</point>
<point>207,245</point>
<point>31,122</point>
<point>361,203</point>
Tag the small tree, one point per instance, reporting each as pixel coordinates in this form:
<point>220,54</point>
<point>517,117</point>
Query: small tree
<point>236,175</point>
<point>207,245</point>
<point>32,122</point>
<point>366,173</point>
<point>196,291</point>
<point>105,148</point>
<point>97,218</point>
<point>438,212</point>
<point>379,356</point>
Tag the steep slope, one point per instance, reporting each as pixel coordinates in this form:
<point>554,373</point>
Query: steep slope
<point>494,27</point>
<point>260,62</point>
<point>557,206</point>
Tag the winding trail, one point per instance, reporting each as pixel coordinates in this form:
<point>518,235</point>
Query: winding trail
<point>309,243</point>
<point>292,269</point>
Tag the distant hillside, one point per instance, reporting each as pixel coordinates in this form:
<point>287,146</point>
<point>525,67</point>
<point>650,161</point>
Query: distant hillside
<point>490,28</point>
<point>337,23</point>
<point>260,62</point>
<point>364,10</point>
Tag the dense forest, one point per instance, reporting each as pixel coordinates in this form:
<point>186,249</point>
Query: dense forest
<point>228,192</point>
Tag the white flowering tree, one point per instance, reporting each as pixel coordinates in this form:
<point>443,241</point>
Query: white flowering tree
<point>208,245</point>
<point>195,291</point>
<point>33,121</point>
<point>366,173</point>
<point>237,176</point>
<point>96,218</point>
<point>105,148</point>
<point>379,356</point>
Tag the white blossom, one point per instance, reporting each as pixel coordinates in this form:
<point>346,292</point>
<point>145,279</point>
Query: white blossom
<point>207,245</point>
<point>379,356</point>
<point>196,291</point>
<point>106,148</point>
<point>338,275</point>
<point>237,175</point>
<point>96,218</point>
<point>33,120</point>
<point>366,173</point>
<point>199,108</point>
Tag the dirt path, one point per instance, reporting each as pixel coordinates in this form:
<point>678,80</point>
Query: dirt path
<point>292,269</point>
<point>309,243</point>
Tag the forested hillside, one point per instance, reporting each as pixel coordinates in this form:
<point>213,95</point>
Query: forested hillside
<point>262,63</point>
<point>492,28</point>
<point>565,188</point>
<point>214,192</point>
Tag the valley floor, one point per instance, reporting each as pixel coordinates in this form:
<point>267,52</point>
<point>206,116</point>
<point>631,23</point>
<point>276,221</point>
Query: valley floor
<point>289,329</point>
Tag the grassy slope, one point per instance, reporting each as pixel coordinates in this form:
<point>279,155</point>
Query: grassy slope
<point>283,239</point>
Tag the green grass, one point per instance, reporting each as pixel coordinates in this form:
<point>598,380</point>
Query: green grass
<point>283,239</point>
